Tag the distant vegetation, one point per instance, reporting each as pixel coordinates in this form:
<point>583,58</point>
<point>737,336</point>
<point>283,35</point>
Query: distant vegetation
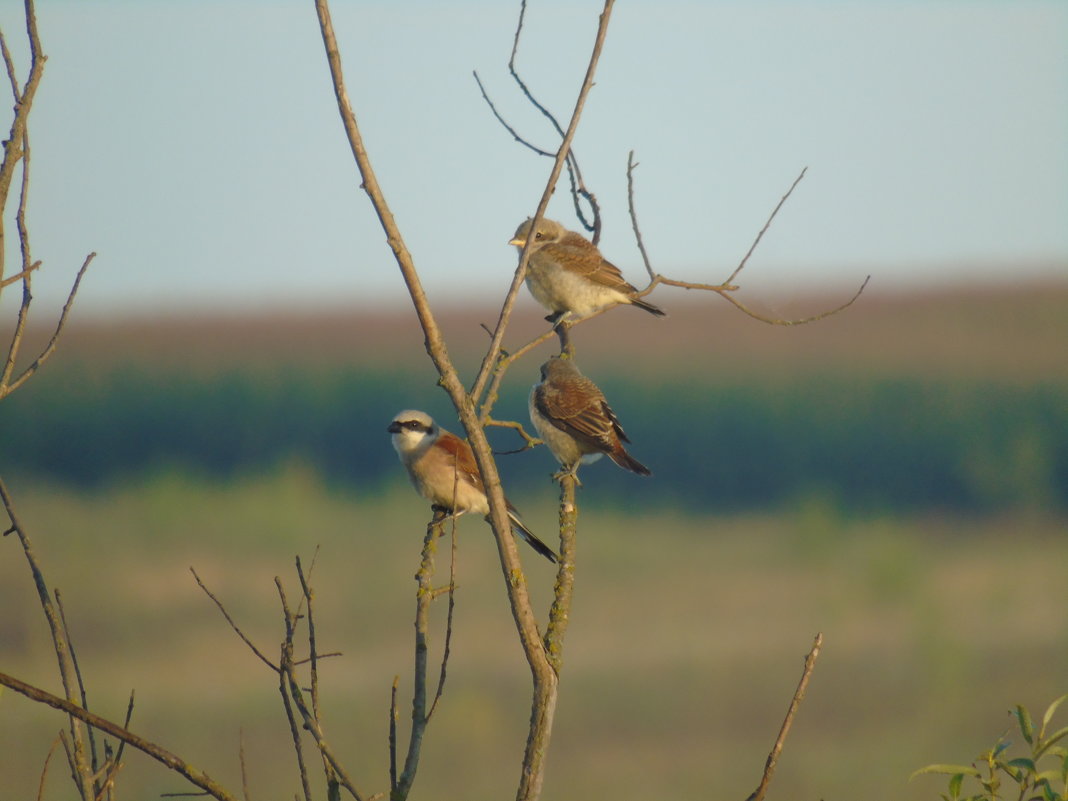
<point>869,442</point>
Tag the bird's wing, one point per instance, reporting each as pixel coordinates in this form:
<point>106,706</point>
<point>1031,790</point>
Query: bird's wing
<point>463,458</point>
<point>578,255</point>
<point>577,407</point>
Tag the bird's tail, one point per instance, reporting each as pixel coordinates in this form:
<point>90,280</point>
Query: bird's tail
<point>649,307</point>
<point>521,529</point>
<point>628,462</point>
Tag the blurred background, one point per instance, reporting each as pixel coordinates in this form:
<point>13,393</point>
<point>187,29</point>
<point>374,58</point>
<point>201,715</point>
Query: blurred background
<point>895,476</point>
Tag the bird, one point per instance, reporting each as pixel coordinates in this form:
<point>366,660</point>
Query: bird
<point>573,418</point>
<point>442,469</point>
<point>568,275</point>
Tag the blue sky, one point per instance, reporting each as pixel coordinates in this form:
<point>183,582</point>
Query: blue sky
<point>197,148</point>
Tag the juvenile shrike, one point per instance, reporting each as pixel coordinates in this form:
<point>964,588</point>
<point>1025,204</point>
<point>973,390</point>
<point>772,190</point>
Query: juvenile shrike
<point>575,421</point>
<point>567,274</point>
<point>443,469</point>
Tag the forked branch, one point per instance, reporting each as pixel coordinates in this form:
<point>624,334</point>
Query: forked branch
<point>728,287</point>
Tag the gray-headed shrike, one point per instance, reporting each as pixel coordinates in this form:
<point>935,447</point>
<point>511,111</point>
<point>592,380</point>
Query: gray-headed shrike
<point>443,469</point>
<point>575,421</point>
<point>568,275</point>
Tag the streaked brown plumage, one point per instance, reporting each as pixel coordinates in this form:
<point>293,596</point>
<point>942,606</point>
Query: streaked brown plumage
<point>575,421</point>
<point>567,274</point>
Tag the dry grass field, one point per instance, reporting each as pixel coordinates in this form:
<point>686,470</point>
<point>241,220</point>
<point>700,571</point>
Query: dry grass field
<point>686,641</point>
<point>688,629</point>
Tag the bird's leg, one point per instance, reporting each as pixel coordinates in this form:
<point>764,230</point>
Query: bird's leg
<point>558,318</point>
<point>569,471</point>
<point>563,330</point>
<point>449,513</point>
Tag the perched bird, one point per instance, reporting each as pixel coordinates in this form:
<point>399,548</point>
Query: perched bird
<point>442,468</point>
<point>575,421</point>
<point>568,275</point>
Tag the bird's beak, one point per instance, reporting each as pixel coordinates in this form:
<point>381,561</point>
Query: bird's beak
<point>394,427</point>
<point>518,242</point>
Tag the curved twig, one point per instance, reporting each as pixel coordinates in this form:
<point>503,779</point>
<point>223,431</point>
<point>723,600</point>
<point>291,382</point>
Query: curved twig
<point>725,289</point>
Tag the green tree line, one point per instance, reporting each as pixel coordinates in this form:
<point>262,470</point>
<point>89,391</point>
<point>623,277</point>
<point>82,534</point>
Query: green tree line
<point>871,443</point>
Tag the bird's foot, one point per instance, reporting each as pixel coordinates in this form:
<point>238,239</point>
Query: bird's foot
<point>572,471</point>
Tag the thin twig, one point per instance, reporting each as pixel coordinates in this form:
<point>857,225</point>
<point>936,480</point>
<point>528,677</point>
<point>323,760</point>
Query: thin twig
<point>284,682</point>
<point>528,440</point>
<point>578,186</point>
<point>175,763</point>
<point>393,735</point>
<point>328,770</point>
<point>78,676</point>
<point>233,625</point>
<point>20,275</point>
<point>49,349</point>
<point>56,741</point>
<point>799,694</point>
<point>725,289</point>
<point>448,624</point>
<point>312,725</point>
<point>60,645</point>
<point>760,235</point>
<point>244,768</point>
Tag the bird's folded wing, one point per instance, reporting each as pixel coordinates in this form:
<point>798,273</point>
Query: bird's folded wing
<point>581,258</point>
<point>577,408</point>
<point>463,459</point>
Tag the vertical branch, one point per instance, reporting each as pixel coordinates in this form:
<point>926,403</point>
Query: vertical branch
<point>285,666</point>
<point>543,675</point>
<point>559,613</point>
<point>79,765</point>
<point>423,597</point>
<point>565,147</point>
<point>313,658</point>
<point>799,694</point>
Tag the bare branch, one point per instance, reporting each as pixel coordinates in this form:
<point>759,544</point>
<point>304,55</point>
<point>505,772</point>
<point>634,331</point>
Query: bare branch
<point>760,235</point>
<point>502,121</point>
<point>283,688</point>
<point>529,441</point>
<point>19,276</point>
<point>448,623</point>
<point>60,645</point>
<point>559,613</point>
<point>725,289</point>
<point>423,598</point>
<point>56,741</point>
<point>233,625</point>
<point>175,763</point>
<point>328,770</point>
<point>799,694</point>
<point>77,675</point>
<point>393,736</point>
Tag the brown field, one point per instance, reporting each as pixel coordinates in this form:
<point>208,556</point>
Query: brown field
<point>1008,334</point>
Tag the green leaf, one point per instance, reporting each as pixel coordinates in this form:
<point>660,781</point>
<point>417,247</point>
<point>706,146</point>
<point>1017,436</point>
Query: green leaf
<point>1026,763</point>
<point>954,785</point>
<point>1002,744</point>
<point>966,770</point>
<point>1060,734</point>
<point>1051,709</point>
<point>1027,727</point>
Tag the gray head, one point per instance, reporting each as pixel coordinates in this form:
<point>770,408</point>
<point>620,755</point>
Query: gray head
<point>559,367</point>
<point>546,232</point>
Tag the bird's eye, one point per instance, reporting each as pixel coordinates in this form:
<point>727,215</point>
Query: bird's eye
<point>538,236</point>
